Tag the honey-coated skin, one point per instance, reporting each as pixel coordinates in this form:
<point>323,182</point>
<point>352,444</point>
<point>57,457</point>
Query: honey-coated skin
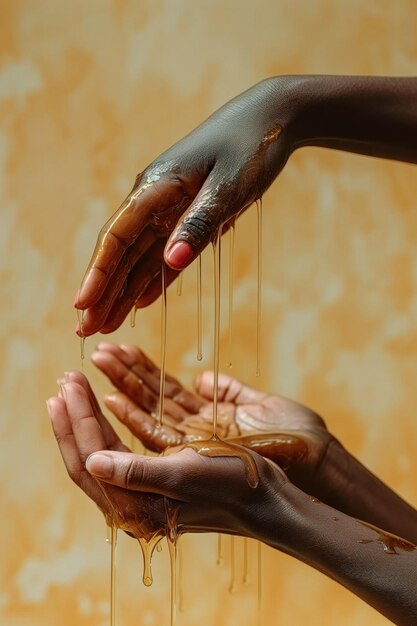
<point>288,433</point>
<point>209,177</point>
<point>176,207</point>
<point>213,494</point>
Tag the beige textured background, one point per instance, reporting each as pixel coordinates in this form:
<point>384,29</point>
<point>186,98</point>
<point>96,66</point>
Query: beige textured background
<point>89,93</point>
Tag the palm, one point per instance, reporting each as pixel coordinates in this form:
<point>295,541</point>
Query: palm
<point>278,428</point>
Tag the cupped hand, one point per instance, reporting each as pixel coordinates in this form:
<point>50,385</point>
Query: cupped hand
<point>80,429</point>
<point>182,200</point>
<point>288,433</point>
<point>144,496</point>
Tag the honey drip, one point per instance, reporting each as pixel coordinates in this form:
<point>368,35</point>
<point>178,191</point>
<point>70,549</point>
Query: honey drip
<point>231,258</point>
<point>172,538</point>
<point>163,347</point>
<point>172,547</point>
<point>179,284</point>
<point>199,312</point>
<point>215,447</point>
<point>180,577</point>
<point>233,582</point>
<point>217,258</point>
<point>220,557</point>
<point>80,316</point>
<point>132,442</point>
<point>113,544</point>
<point>259,605</point>
<point>133,317</point>
<point>259,299</point>
<point>245,577</point>
<point>115,520</point>
<point>390,543</point>
<point>148,546</point>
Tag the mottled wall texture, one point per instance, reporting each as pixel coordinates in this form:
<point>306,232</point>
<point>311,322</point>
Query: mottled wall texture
<point>90,92</point>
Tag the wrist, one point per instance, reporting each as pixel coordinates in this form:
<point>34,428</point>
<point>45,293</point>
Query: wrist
<point>289,99</point>
<point>279,516</point>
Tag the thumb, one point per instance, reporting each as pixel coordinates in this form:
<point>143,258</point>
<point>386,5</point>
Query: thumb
<point>159,475</point>
<point>218,201</point>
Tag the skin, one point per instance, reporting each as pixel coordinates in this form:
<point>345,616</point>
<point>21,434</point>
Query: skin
<point>288,433</point>
<point>275,511</point>
<point>195,189</point>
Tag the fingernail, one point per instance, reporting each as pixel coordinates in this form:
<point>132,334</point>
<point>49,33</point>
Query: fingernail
<point>179,254</point>
<point>100,465</point>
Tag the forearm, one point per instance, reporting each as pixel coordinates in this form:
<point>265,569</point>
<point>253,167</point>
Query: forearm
<point>370,115</point>
<point>346,484</point>
<point>349,552</point>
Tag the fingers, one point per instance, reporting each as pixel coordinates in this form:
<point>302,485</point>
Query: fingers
<point>143,425</point>
<point>122,292</point>
<point>219,200</point>
<point>111,438</point>
<point>87,433</point>
<point>144,220</point>
<point>153,194</point>
<point>230,389</point>
<point>133,373</point>
<point>61,425</point>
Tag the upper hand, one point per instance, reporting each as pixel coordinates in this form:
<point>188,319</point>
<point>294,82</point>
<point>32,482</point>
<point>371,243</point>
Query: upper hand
<point>182,199</point>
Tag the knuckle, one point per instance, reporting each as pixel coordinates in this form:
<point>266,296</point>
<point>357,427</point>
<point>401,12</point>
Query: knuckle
<point>135,474</point>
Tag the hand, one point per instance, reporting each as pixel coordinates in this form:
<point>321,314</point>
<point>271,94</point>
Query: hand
<point>180,202</point>
<point>284,431</point>
<point>133,496</point>
<point>80,429</point>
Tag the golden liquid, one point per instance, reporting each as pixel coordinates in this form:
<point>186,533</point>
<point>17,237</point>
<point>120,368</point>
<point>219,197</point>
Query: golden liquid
<point>132,442</point>
<point>133,317</point>
<point>113,543</point>
<point>172,547</point>
<point>217,259</point>
<point>215,447</point>
<point>171,512</point>
<point>389,542</point>
<point>259,605</point>
<point>179,284</point>
<point>163,347</point>
<point>245,577</point>
<point>180,577</point>
<point>233,582</point>
<point>199,312</point>
<point>115,519</point>
<point>220,557</point>
<point>80,316</point>
<point>259,299</point>
<point>148,546</point>
<point>231,257</point>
